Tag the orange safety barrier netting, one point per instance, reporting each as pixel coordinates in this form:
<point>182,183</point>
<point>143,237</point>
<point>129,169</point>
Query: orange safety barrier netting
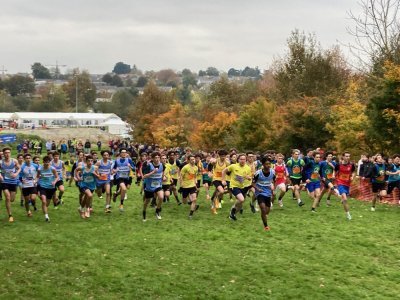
<point>362,190</point>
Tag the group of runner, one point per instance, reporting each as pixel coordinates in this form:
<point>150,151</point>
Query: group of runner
<point>159,174</point>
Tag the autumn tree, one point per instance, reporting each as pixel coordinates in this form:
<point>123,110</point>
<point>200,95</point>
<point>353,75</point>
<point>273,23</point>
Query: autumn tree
<point>40,72</point>
<point>259,125</point>
<point>348,120</point>
<point>217,132</point>
<point>172,128</point>
<point>152,103</point>
<point>167,77</point>
<point>86,91</point>
<point>383,111</point>
<point>307,70</point>
<point>18,85</point>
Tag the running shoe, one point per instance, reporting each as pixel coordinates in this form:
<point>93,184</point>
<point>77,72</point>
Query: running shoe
<point>47,219</point>
<point>158,216</point>
<point>348,216</point>
<point>267,228</point>
<point>114,198</point>
<point>10,219</point>
<point>101,197</point>
<point>372,208</point>
<point>107,210</point>
<point>121,208</point>
<point>280,202</point>
<point>253,209</point>
<point>300,203</point>
<point>328,202</point>
<point>126,197</point>
<point>29,214</point>
<point>214,211</point>
<point>232,217</point>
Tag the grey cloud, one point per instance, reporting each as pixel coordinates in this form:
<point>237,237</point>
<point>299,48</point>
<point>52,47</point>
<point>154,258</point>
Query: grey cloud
<point>157,34</point>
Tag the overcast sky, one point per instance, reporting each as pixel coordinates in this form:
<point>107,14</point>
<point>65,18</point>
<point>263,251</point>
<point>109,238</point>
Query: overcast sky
<point>158,34</point>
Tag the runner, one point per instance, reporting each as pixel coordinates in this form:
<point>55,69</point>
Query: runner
<point>103,179</point>
<point>48,177</point>
<point>206,176</point>
<point>328,178</point>
<point>393,171</point>
<point>295,166</point>
<point>174,165</point>
<point>87,175</point>
<point>378,180</point>
<point>153,174</point>
<point>281,175</point>
<point>122,167</point>
<point>60,168</point>
<point>264,186</point>
<point>188,183</point>
<point>68,169</point>
<point>314,180</point>
<point>28,179</point>
<point>240,174</point>
<point>20,159</point>
<point>10,170</point>
<point>345,174</point>
<point>167,179</point>
<point>216,167</point>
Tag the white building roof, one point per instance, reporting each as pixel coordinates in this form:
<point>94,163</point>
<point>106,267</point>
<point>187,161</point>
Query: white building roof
<point>62,116</point>
<point>113,122</point>
<point>5,116</point>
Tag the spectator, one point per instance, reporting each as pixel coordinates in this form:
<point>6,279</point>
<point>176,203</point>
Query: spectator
<point>87,147</point>
<point>98,145</point>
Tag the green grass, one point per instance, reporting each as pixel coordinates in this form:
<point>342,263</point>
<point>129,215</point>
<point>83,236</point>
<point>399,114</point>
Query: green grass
<point>117,256</point>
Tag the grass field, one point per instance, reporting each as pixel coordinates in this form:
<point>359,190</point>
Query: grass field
<point>117,256</point>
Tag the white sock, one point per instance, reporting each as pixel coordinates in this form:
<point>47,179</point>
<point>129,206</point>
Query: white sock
<point>298,200</point>
<point>46,216</point>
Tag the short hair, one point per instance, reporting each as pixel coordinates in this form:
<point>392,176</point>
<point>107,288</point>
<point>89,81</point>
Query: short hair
<point>155,153</point>
<point>27,155</point>
<point>222,152</point>
<point>105,151</point>
<point>265,159</point>
<point>6,148</point>
<point>241,154</point>
<point>20,155</point>
<point>56,153</point>
<point>395,155</point>
<point>36,157</point>
<point>46,159</point>
<point>89,157</point>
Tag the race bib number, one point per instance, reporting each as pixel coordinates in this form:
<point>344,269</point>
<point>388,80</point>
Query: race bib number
<point>103,177</point>
<point>296,170</point>
<point>8,174</point>
<point>314,176</point>
<point>191,176</point>
<point>280,175</point>
<point>344,177</point>
<point>89,179</point>
<point>124,174</point>
<point>239,178</point>
<point>218,174</point>
<point>155,184</point>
